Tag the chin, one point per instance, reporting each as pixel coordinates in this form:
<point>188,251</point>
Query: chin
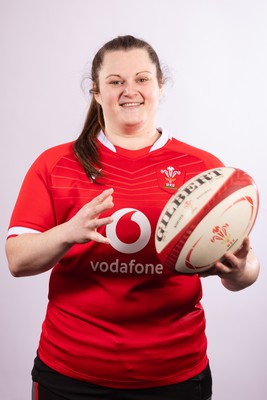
<point>133,125</point>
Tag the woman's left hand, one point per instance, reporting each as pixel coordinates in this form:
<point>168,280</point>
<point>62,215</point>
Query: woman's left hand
<point>237,271</point>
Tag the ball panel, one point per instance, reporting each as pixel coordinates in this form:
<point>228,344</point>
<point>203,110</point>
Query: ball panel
<point>222,229</point>
<point>185,204</point>
<point>200,205</point>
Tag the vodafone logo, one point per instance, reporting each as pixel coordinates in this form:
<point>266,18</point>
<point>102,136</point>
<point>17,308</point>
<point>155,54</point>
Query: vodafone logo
<point>130,230</point>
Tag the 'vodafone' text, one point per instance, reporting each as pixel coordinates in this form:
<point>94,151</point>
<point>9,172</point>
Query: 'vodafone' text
<point>132,267</point>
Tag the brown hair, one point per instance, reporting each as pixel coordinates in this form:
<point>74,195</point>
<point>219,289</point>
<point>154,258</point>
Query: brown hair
<point>85,147</point>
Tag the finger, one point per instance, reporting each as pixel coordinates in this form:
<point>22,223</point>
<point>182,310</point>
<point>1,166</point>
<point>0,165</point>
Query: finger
<point>210,272</point>
<point>223,269</point>
<point>99,204</point>
<point>244,249</point>
<point>98,222</point>
<point>242,252</point>
<point>102,196</point>
<point>91,230</point>
<point>97,237</point>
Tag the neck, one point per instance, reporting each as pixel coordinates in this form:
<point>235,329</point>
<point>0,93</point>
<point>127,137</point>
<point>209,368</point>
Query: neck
<point>133,140</point>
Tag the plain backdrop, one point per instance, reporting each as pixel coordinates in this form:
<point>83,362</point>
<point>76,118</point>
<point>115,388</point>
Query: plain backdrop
<point>215,55</point>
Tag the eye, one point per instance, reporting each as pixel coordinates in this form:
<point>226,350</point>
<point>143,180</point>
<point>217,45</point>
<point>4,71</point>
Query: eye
<point>116,82</point>
<point>142,79</point>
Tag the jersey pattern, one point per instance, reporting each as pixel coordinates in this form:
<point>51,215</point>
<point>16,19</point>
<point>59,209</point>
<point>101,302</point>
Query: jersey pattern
<point>116,316</point>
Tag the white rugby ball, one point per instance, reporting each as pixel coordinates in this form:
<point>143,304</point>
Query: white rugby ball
<point>208,216</point>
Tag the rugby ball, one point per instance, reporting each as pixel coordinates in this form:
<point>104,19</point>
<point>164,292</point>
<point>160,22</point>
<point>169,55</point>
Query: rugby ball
<point>208,216</point>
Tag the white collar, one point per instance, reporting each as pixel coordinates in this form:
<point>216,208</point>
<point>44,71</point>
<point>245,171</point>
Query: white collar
<point>162,140</point>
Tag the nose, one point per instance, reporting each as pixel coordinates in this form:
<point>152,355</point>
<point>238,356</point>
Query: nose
<point>129,89</point>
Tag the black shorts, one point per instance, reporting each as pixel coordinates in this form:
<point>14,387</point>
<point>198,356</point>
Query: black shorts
<point>50,385</point>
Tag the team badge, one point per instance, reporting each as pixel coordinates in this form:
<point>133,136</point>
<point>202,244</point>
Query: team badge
<point>170,178</point>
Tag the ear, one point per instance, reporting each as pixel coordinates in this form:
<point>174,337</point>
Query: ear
<point>98,98</point>
<point>96,94</point>
<point>160,90</point>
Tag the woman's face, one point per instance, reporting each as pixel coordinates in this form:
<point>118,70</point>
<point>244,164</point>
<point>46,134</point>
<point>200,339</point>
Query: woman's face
<point>129,91</point>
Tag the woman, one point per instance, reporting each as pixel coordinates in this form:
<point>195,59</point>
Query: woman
<point>119,325</point>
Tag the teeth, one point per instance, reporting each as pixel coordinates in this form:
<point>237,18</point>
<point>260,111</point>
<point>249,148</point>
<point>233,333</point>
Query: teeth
<point>130,104</point>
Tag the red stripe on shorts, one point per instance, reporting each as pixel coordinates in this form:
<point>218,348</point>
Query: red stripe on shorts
<point>35,391</point>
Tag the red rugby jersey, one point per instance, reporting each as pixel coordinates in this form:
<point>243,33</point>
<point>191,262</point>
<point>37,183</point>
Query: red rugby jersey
<point>116,316</point>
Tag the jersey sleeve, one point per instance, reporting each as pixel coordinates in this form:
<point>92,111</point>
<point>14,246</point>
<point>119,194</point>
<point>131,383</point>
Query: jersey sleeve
<point>203,157</point>
<point>212,161</point>
<point>34,210</point>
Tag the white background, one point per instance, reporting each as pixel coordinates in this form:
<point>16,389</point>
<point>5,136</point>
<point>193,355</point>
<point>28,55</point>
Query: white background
<point>215,53</point>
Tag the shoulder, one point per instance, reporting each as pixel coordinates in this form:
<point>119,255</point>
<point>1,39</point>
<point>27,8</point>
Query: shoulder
<point>183,148</point>
<point>49,158</point>
<point>58,151</point>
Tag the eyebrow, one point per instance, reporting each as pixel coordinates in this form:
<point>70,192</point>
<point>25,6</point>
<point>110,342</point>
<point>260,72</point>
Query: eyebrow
<point>119,76</point>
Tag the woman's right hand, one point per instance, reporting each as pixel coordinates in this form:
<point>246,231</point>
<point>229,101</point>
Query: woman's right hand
<point>34,253</point>
<point>82,227</point>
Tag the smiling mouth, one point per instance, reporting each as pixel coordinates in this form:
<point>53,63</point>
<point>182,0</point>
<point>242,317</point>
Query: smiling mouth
<point>131,105</point>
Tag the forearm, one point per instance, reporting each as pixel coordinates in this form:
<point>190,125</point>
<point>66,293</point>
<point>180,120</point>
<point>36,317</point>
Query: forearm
<point>32,254</point>
<point>246,277</point>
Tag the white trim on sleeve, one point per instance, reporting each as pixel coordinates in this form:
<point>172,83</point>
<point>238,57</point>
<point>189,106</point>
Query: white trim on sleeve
<point>18,230</point>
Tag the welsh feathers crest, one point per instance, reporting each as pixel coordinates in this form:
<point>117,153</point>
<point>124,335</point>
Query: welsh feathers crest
<point>221,234</point>
<point>170,176</point>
